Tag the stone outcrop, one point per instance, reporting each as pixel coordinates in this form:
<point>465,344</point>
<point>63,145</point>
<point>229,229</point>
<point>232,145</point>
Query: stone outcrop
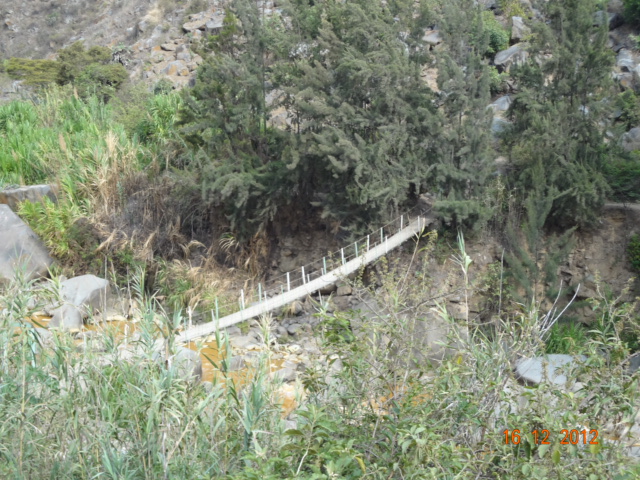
<point>34,193</point>
<point>188,364</point>
<point>20,248</point>
<point>630,141</point>
<point>514,55</point>
<point>555,369</point>
<point>66,317</point>
<point>519,31</point>
<point>87,292</point>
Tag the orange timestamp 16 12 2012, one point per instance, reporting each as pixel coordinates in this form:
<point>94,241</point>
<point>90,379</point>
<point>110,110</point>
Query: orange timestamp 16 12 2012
<point>541,437</point>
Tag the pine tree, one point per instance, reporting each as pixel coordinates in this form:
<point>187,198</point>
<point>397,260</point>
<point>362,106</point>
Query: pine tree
<point>558,116</point>
<point>464,144</point>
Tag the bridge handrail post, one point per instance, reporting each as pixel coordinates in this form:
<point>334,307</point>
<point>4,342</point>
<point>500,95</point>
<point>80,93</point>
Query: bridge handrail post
<point>242,298</point>
<point>367,243</point>
<point>381,234</point>
<point>342,255</point>
<point>288,282</point>
<point>356,244</point>
<point>401,222</point>
<point>217,311</point>
<point>324,265</point>
<point>304,280</point>
<point>259,292</point>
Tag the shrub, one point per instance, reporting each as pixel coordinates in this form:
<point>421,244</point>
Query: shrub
<point>498,35</point>
<point>567,338</point>
<point>632,11</point>
<point>497,81</point>
<point>633,251</point>
<point>623,177</point>
<point>629,105</point>
<point>33,72</point>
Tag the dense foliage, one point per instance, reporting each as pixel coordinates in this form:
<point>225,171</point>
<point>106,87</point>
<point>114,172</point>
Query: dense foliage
<point>383,407</point>
<point>91,70</point>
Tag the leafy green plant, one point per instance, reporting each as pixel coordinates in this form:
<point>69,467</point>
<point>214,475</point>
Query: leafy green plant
<point>498,35</point>
<point>567,338</point>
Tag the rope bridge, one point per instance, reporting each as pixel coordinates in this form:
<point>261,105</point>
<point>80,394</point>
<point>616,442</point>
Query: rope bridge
<point>313,277</point>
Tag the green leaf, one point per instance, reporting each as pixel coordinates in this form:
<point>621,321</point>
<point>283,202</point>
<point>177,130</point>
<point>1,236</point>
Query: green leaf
<point>555,457</point>
<point>543,449</point>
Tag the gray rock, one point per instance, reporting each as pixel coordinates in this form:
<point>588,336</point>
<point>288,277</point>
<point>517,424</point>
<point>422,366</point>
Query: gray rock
<point>553,368</point>
<point>235,364</point>
<point>501,165</point>
<point>44,335</point>
<point>168,47</point>
<point>285,374</point>
<point>243,342</point>
<point>66,317</point>
<point>498,125</point>
<point>184,56</point>
<point>34,194</point>
<point>514,55</point>
<point>296,308</point>
<point>633,363</point>
<point>518,29</point>
<point>293,329</point>
<point>214,25</point>
<point>613,20</point>
<point>432,37</point>
<point>626,60</point>
<point>344,290</point>
<point>188,364</point>
<point>233,331</point>
<point>281,332</point>
<point>501,104</point>
<point>630,140</point>
<point>174,68</point>
<point>87,292</point>
<point>20,248</point>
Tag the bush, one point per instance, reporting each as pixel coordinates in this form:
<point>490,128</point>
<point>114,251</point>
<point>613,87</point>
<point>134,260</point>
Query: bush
<point>497,81</point>
<point>632,11</point>
<point>33,72</point>
<point>498,35</point>
<point>623,177</point>
<point>629,105</point>
<point>90,70</point>
<point>633,251</point>
<point>567,338</point>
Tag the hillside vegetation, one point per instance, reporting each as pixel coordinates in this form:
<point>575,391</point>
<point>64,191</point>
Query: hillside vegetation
<point>341,115</point>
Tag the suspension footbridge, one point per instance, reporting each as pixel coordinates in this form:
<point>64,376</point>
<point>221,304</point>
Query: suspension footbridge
<point>314,277</point>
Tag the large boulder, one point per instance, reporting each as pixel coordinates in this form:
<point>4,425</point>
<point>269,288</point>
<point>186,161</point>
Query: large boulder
<point>514,55</point>
<point>555,369</point>
<point>34,193</point>
<point>518,29</point>
<point>432,38</point>
<point>20,248</point>
<point>87,292</point>
<point>66,317</point>
<point>612,20</point>
<point>501,104</point>
<point>626,60</point>
<point>188,364</point>
<point>630,141</point>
